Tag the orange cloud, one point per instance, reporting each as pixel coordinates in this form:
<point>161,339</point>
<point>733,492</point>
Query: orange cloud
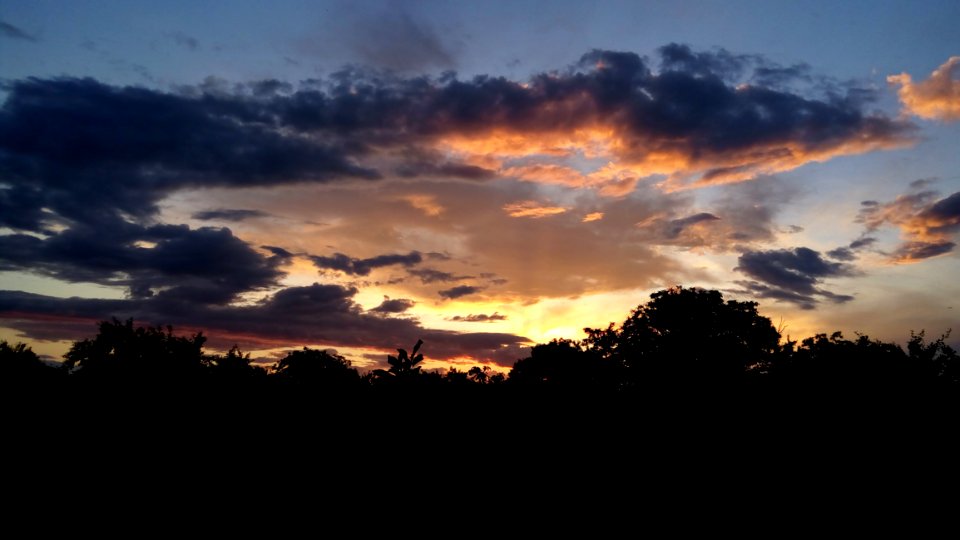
<point>593,216</point>
<point>425,203</point>
<point>935,98</point>
<point>631,157</point>
<point>532,209</point>
<point>927,225</point>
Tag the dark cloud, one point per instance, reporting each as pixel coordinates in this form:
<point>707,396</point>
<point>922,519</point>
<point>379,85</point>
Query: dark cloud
<point>863,242</point>
<point>849,253</point>
<point>205,265</point>
<point>781,76</point>
<point>480,317</point>
<point>430,275</point>
<point>278,251</point>
<point>676,226</point>
<point>13,32</point>
<point>228,214</point>
<point>917,251</point>
<point>842,254</point>
<point>944,215</point>
<point>459,291</point>
<point>791,275</point>
<point>315,314</point>
<point>394,305</point>
<point>81,149</point>
<point>443,169</point>
<point>362,267</point>
<point>677,57</point>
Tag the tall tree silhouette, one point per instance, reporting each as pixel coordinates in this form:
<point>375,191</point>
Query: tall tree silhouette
<point>688,335</point>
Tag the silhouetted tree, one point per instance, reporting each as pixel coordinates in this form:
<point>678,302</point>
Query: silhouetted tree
<point>563,363</point>
<point>317,369</point>
<point>478,375</point>
<point>821,361</point>
<point>456,377</point>
<point>145,355</point>
<point>234,368</point>
<point>937,359</point>
<point>403,367</point>
<point>19,364</point>
<point>688,335</point>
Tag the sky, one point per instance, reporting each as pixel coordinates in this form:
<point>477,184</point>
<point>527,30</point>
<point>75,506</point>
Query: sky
<point>482,176</point>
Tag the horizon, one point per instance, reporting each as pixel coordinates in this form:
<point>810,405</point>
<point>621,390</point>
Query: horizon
<point>357,177</point>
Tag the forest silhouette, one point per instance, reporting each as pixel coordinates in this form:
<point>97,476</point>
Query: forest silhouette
<point>686,340</point>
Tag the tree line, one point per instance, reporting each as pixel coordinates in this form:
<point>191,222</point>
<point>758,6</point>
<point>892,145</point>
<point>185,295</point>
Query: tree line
<point>681,338</point>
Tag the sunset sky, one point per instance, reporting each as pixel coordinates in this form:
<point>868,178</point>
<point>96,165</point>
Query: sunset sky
<point>479,175</point>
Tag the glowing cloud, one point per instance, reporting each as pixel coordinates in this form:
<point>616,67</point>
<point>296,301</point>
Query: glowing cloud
<point>532,209</point>
<point>926,224</point>
<point>935,98</point>
<point>425,203</point>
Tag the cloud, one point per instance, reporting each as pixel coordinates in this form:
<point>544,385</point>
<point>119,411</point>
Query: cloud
<point>324,315</point>
<point>928,225</point>
<point>206,265</point>
<point>678,57</point>
<point>555,256</point>
<point>80,148</point>
<point>425,203</point>
<point>862,242</point>
<point>791,275</point>
<point>849,253</point>
<point>676,226</point>
<point>740,217</point>
<point>229,214</point>
<point>917,251</point>
<point>459,291</point>
<point>397,40</point>
<point>13,32</point>
<point>936,98</point>
<point>532,209</point>
<point>396,37</point>
<point>430,275</point>
<point>592,216</point>
<point>395,305</point>
<point>480,317</point>
<point>183,40</point>
<point>362,267</point>
<point>841,254</point>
